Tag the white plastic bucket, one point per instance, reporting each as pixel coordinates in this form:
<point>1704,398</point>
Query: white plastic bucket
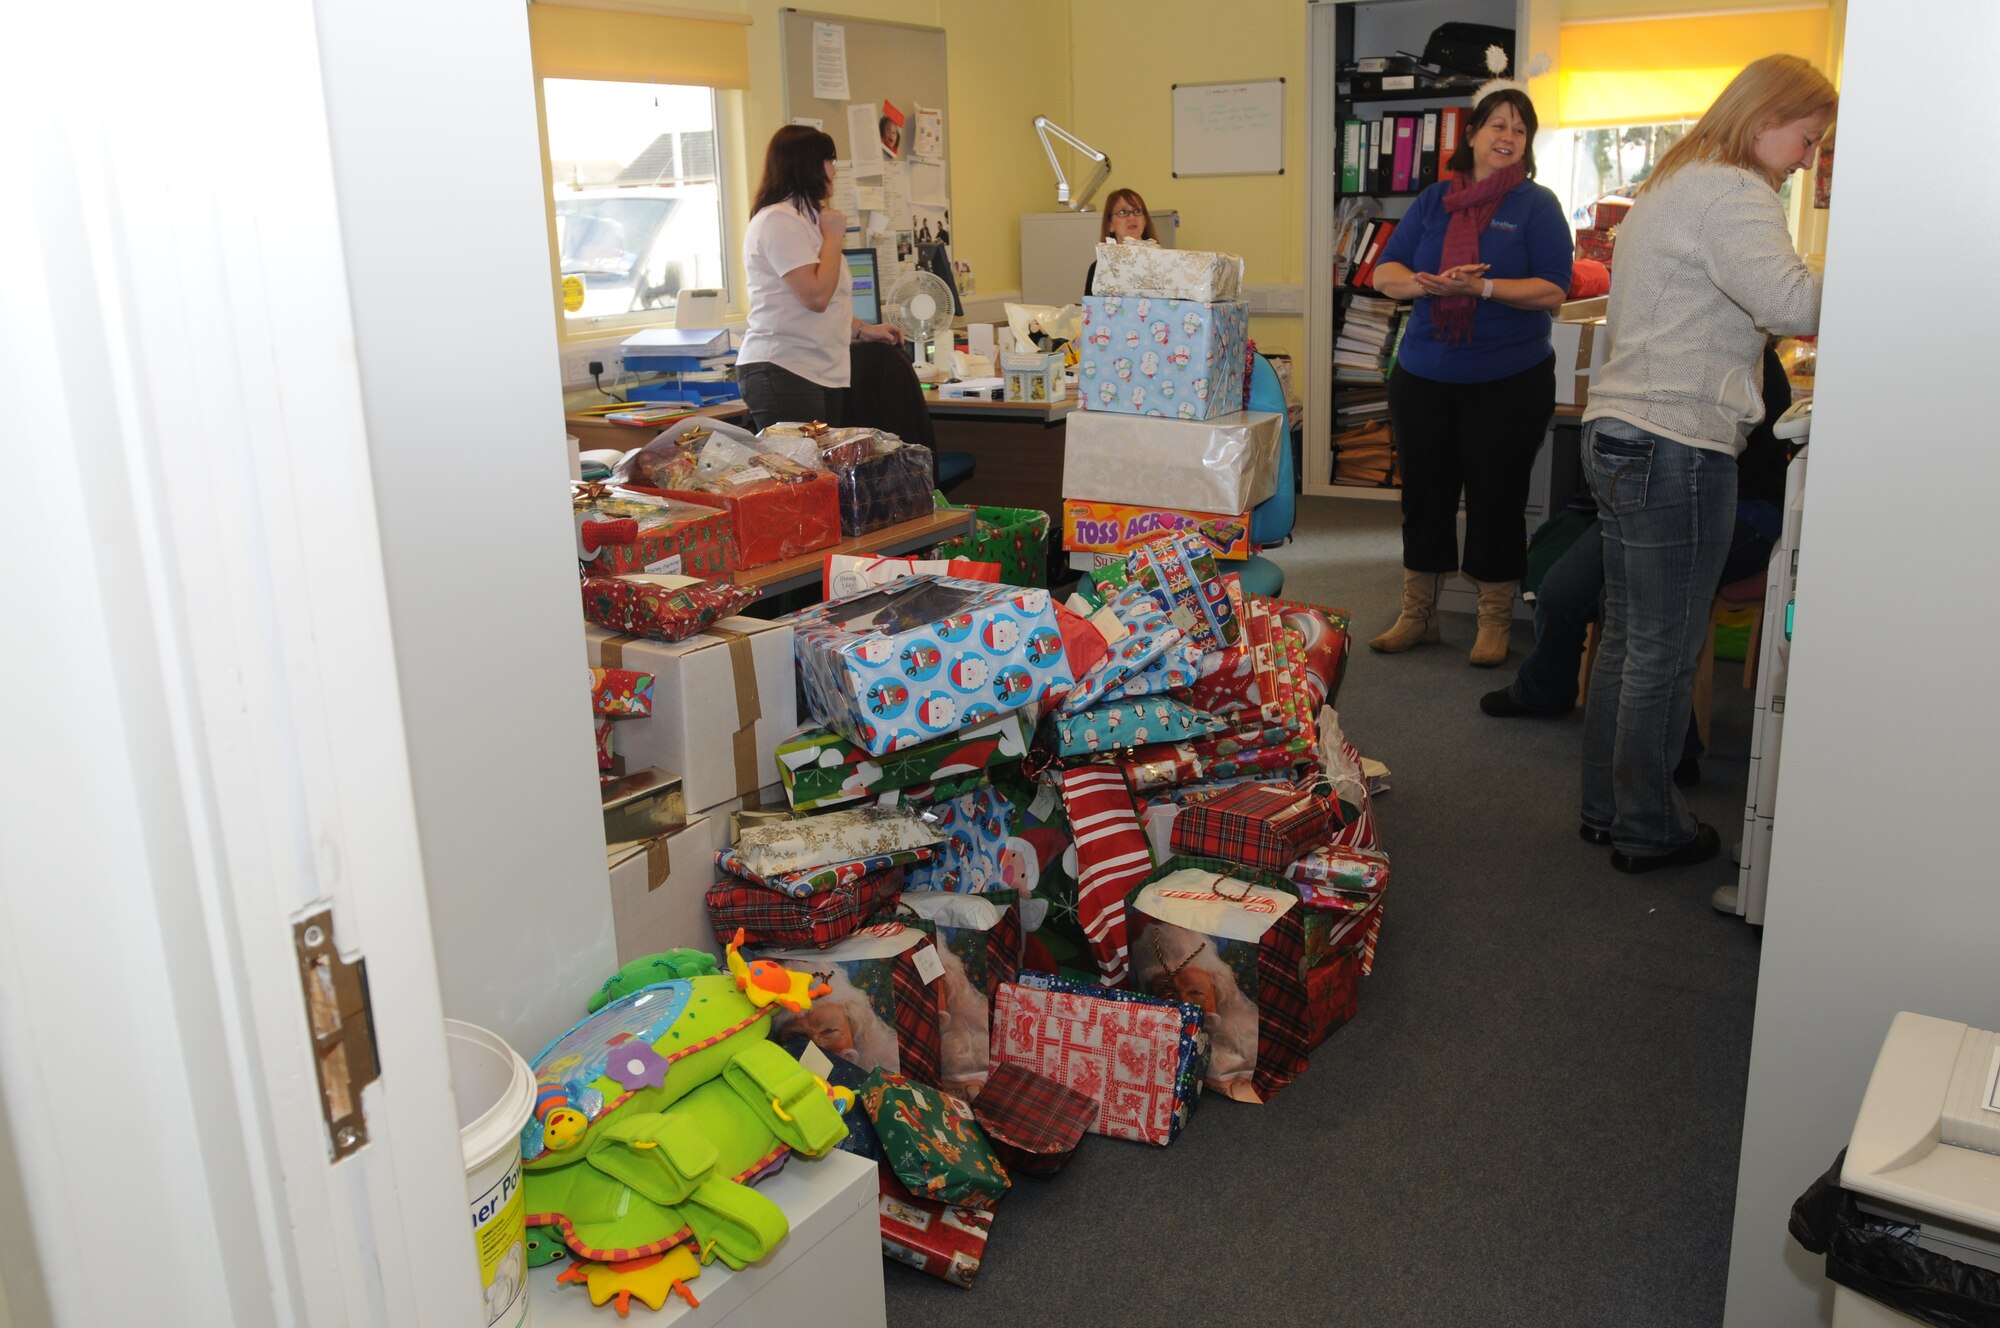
<point>496,1096</point>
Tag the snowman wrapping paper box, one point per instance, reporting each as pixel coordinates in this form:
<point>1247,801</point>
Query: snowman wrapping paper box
<point>1180,359</point>
<point>927,656</point>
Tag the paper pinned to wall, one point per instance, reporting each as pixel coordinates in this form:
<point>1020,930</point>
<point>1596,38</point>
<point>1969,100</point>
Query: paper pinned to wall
<point>809,121</point>
<point>928,141</point>
<point>830,62</point>
<point>844,200</point>
<point>870,198</point>
<point>927,182</point>
<point>863,143</point>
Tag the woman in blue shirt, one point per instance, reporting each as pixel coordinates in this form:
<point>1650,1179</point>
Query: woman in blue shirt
<point>1485,255</point>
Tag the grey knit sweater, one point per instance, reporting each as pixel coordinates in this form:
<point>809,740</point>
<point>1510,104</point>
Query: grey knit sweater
<point>1705,269</point>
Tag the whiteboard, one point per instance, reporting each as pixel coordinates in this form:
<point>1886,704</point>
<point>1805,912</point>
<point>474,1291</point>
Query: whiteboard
<point>1229,128</point>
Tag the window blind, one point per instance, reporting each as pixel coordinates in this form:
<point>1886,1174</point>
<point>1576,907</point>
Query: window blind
<point>625,46</point>
<point>1623,71</point>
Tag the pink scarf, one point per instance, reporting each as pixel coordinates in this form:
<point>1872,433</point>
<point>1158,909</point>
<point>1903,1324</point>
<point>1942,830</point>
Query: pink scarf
<point>1470,207</point>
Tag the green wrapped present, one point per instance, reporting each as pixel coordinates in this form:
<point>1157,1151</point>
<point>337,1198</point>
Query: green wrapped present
<point>1015,537</point>
<point>932,1143</point>
<point>821,769</point>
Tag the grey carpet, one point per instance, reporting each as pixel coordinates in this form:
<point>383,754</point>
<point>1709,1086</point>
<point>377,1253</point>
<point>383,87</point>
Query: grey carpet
<point>1534,1119</point>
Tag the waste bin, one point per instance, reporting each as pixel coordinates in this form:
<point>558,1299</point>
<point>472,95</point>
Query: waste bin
<point>1908,1217</point>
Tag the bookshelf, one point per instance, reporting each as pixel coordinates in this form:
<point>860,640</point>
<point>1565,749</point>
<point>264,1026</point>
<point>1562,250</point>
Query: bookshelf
<point>1337,401</point>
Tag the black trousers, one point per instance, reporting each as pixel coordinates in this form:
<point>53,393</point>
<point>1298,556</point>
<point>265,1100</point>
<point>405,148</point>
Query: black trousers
<point>1475,439</point>
<point>775,394</point>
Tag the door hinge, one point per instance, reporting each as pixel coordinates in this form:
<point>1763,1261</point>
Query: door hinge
<point>343,1029</point>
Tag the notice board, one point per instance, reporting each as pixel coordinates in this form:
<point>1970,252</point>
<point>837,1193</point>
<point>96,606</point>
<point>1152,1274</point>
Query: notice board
<point>1229,128</point>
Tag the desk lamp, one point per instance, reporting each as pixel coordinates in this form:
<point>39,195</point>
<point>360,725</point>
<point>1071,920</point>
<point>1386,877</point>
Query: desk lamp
<point>1045,127</point>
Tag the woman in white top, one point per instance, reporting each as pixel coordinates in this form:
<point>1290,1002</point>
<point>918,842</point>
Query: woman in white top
<point>793,362</point>
<point>1706,270</point>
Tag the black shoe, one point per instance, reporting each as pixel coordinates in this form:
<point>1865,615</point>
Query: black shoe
<point>1705,845</point>
<point>1688,773</point>
<point>1590,834</point>
<point>1502,705</point>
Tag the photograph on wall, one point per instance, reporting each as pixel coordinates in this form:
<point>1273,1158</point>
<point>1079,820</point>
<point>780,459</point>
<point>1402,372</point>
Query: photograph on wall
<point>889,128</point>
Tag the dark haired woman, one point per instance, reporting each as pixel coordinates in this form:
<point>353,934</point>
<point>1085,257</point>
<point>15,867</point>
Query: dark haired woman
<point>793,363</point>
<point>1125,218</point>
<point>1486,256</point>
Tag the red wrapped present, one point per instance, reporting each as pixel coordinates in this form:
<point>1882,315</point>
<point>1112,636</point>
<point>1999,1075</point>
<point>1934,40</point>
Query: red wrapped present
<point>777,516</point>
<point>1267,826</point>
<point>1324,632</point>
<point>627,531</point>
<point>605,760</point>
<point>931,1237</point>
<point>1340,950</point>
<point>663,608</point>
<point>770,918</point>
<point>1033,1122</point>
<point>621,692</point>
<point>1243,680</point>
<point>1341,879</point>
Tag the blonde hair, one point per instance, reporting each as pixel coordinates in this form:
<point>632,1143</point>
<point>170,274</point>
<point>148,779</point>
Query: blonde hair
<point>1775,90</point>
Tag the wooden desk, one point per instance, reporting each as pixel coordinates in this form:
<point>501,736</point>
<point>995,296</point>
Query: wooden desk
<point>805,570</point>
<point>1017,447</point>
<point>594,432</point>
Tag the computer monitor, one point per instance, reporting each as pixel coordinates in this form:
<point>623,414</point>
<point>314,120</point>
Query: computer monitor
<point>936,258</point>
<point>867,291</point>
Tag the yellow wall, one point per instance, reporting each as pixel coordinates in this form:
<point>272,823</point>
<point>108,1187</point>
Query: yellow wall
<point>1006,63</point>
<point>1125,64</point>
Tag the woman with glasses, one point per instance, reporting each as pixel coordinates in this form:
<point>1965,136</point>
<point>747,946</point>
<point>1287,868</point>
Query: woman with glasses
<point>793,364</point>
<point>1125,218</point>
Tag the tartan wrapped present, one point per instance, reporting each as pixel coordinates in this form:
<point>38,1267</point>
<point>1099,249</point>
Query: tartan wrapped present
<point>1015,537</point>
<point>800,884</point>
<point>664,608</point>
<point>822,769</point>
<point>1267,826</point>
<point>1141,1059</point>
<point>945,1241</point>
<point>976,827</point>
<point>1340,951</point>
<point>767,917</point>
<point>621,692</point>
<point>1033,1122</point>
<point>665,535</point>
<point>896,667</point>
<point>884,1010</point>
<point>980,940</point>
<point>1132,722</point>
<point>1179,572</point>
<point>932,1143</point>
<point>1232,941</point>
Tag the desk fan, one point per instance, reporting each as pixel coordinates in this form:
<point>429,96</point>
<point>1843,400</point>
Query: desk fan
<point>920,303</point>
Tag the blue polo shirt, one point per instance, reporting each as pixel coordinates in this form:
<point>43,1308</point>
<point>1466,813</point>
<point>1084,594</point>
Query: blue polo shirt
<point>1528,237</point>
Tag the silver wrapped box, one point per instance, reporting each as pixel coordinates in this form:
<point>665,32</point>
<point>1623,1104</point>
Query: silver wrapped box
<point>1225,464</point>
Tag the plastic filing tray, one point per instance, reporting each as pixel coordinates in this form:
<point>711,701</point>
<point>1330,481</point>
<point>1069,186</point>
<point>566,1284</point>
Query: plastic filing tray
<point>1896,1155</point>
<point>705,392</point>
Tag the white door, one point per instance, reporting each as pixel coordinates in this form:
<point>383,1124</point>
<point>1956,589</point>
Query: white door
<point>203,742</point>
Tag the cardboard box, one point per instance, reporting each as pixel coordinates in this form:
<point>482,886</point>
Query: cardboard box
<point>657,889</point>
<point>1179,359</point>
<point>1225,464</point>
<point>722,702</point>
<point>1093,527</point>
<point>1581,350</point>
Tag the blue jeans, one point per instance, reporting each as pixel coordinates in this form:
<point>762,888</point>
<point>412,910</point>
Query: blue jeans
<point>1666,514</point>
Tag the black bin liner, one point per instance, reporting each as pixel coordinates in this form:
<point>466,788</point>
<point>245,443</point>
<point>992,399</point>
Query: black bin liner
<point>1865,1255</point>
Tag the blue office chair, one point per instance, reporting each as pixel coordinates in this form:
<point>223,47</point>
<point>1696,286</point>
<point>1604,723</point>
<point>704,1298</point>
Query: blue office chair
<point>1271,521</point>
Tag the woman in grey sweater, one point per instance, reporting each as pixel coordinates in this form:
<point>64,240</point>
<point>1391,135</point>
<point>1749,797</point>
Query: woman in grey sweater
<point>1705,271</point>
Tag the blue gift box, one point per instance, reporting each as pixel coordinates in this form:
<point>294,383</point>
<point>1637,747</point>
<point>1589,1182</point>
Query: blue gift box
<point>1178,358</point>
<point>925,656</point>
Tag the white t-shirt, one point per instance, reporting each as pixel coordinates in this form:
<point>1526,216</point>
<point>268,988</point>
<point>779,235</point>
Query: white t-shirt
<point>782,331</point>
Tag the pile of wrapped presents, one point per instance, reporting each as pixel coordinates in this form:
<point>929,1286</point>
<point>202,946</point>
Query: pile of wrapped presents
<point>993,871</point>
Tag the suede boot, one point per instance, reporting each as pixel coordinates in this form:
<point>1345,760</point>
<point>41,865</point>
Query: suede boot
<point>1417,623</point>
<point>1496,623</point>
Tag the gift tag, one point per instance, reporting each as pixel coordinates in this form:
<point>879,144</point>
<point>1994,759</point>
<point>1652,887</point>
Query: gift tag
<point>671,566</point>
<point>1044,804</point>
<point>929,967</point>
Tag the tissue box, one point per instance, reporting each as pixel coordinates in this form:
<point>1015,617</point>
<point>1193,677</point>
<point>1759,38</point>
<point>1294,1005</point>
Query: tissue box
<point>1175,358</point>
<point>1033,377</point>
<point>1167,274</point>
<point>1225,464</point>
<point>927,656</point>
<point>1094,527</point>
<point>722,701</point>
<point>776,517</point>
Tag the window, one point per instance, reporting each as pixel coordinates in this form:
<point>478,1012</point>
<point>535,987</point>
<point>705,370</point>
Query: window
<point>1614,160</point>
<point>637,197</point>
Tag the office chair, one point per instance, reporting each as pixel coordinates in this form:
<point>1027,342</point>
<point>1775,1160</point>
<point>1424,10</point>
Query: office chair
<point>1271,520</point>
<point>884,393</point>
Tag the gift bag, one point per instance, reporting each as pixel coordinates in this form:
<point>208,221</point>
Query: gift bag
<point>768,917</point>
<point>932,1143</point>
<point>980,941</point>
<point>1140,1059</point>
<point>1015,537</point>
<point>1236,948</point>
<point>944,1241</point>
<point>860,1140</point>
<point>1033,1122</point>
<point>884,1009</point>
